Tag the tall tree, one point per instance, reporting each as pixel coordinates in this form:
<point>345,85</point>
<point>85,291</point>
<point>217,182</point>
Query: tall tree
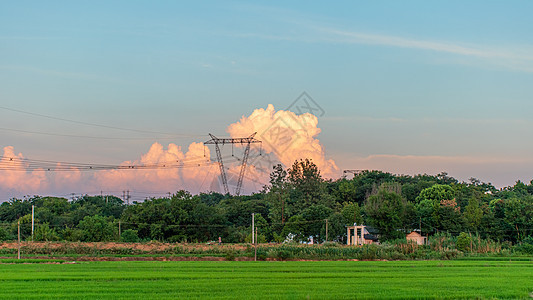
<point>386,211</point>
<point>306,180</point>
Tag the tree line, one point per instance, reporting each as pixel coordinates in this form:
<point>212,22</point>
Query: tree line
<point>297,204</point>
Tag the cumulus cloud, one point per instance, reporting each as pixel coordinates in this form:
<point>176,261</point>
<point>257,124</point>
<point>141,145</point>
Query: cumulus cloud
<point>285,137</point>
<point>192,165</point>
<point>16,178</point>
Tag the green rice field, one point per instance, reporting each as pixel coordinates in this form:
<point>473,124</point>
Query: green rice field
<point>260,280</point>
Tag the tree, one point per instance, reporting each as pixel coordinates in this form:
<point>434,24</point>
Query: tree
<point>463,242</point>
<point>386,211</point>
<point>263,230</point>
<point>295,227</point>
<point>347,191</point>
<point>448,216</point>
<point>53,210</point>
<point>4,234</point>
<point>351,213</point>
<point>425,211</point>
<point>473,214</point>
<point>315,217</point>
<point>278,197</point>
<point>129,236</point>
<point>519,215</point>
<point>436,193</point>
<point>336,227</point>
<point>96,229</point>
<point>306,180</point>
<point>44,233</point>
<point>13,209</point>
<point>437,208</point>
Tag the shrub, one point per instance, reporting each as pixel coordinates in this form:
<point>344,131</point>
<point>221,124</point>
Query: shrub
<point>230,255</point>
<point>525,247</point>
<point>96,229</point>
<point>463,242</point>
<point>281,253</point>
<point>331,244</point>
<point>450,254</point>
<point>441,241</point>
<point>4,234</point>
<point>370,252</point>
<point>129,236</point>
<point>72,234</point>
<point>45,233</point>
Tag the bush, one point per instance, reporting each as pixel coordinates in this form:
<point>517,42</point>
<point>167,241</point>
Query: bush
<point>45,233</point>
<point>4,234</point>
<point>463,242</point>
<point>441,241</point>
<point>331,244</point>
<point>450,254</point>
<point>370,252</point>
<point>72,234</point>
<point>281,253</point>
<point>129,236</point>
<point>96,229</point>
<point>525,247</point>
<point>230,255</point>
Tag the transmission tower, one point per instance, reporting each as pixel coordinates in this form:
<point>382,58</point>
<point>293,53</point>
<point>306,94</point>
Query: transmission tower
<point>217,141</point>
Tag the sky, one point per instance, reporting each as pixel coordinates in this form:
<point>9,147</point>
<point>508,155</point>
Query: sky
<point>406,87</point>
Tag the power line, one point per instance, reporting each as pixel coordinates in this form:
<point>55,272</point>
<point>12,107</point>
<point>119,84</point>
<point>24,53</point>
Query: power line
<point>93,124</point>
<point>86,136</point>
<point>24,164</point>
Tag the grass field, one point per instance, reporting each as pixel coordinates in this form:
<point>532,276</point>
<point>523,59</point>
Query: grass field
<point>285,280</point>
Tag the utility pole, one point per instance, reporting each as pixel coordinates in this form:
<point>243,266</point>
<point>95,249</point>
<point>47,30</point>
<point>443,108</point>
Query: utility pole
<point>119,231</point>
<point>32,220</point>
<point>282,209</point>
<point>255,246</point>
<point>128,196</point>
<point>326,230</point>
<point>18,226</point>
<point>253,225</point>
<point>222,141</point>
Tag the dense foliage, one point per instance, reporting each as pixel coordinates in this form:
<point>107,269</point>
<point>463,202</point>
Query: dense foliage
<point>296,205</point>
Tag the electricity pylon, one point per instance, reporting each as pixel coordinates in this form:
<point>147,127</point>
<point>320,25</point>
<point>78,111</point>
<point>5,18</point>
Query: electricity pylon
<point>217,141</point>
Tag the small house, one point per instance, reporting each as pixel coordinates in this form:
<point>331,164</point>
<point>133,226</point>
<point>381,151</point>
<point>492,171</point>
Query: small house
<point>359,235</point>
<point>417,238</point>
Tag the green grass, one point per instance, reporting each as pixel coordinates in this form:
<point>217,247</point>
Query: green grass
<point>260,280</point>
<point>29,261</point>
<point>113,255</point>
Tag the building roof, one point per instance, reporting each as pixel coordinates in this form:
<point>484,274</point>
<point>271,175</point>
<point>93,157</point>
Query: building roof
<point>414,234</point>
<point>370,237</point>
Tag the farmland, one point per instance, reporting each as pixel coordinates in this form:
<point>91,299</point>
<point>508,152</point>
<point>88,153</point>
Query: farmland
<point>495,278</point>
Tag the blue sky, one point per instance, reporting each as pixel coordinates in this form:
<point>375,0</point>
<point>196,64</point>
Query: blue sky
<point>407,86</point>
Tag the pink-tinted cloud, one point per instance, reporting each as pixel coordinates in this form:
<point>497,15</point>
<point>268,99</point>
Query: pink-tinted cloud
<point>191,165</point>
<point>288,136</point>
<point>500,171</point>
<point>16,177</point>
<point>285,137</point>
